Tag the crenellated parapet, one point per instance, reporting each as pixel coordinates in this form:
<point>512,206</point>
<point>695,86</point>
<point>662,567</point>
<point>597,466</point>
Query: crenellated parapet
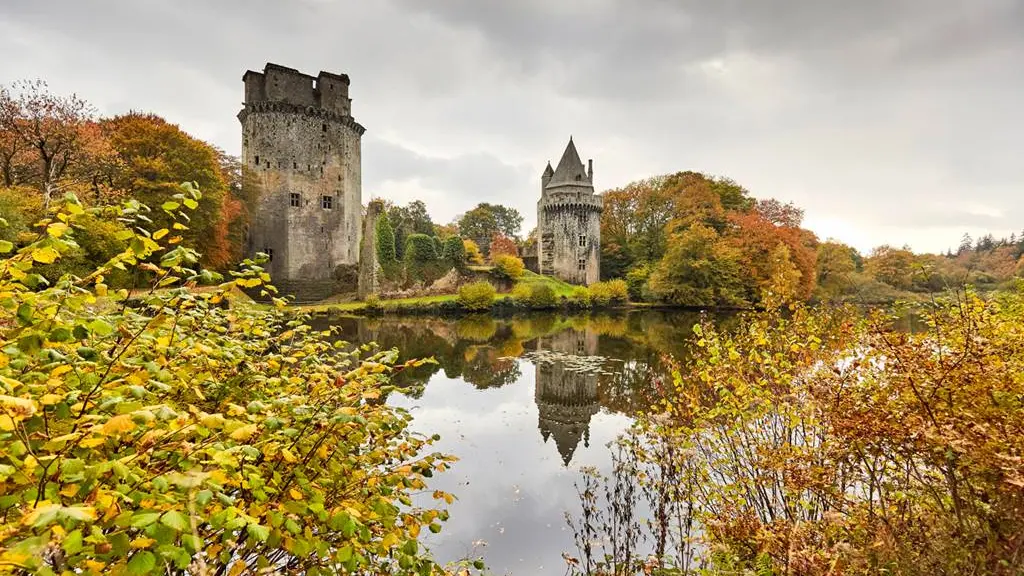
<point>309,111</point>
<point>572,201</point>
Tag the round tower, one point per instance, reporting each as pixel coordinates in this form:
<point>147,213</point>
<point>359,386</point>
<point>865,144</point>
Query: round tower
<point>569,221</point>
<point>303,148</point>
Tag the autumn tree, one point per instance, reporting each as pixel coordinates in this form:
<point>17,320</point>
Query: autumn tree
<point>780,214</point>
<point>755,239</point>
<point>502,245</point>
<point>835,268</point>
<point>157,157</point>
<point>892,266</point>
<point>473,254</point>
<point>698,270</point>
<point>639,217</point>
<point>485,220</point>
<point>44,137</point>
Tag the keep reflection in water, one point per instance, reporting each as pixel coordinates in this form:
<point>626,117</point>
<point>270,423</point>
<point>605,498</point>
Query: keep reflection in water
<point>583,366</point>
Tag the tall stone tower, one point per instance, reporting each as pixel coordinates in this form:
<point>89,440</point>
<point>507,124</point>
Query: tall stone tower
<point>301,143</point>
<point>569,221</point>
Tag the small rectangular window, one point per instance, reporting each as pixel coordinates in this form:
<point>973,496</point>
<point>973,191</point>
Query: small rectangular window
<point>295,199</point>
<point>327,202</point>
<point>270,253</point>
<point>582,264</point>
<point>324,127</point>
<point>295,165</point>
<point>257,160</point>
<point>583,240</point>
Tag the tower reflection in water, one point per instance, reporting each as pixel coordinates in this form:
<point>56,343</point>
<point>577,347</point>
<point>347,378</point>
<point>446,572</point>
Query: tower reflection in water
<point>566,397</point>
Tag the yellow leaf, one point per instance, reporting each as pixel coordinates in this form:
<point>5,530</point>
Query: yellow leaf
<point>141,542</point>
<point>69,490</point>
<point>237,568</point>
<point>45,255</point>
<point>390,540</point>
<point>295,494</point>
<point>6,423</point>
<point>160,233</point>
<point>118,424</point>
<point>92,442</point>
<point>288,456</point>
<point>18,406</point>
<point>43,507</point>
<point>244,433</point>
<point>50,399</point>
<point>60,370</point>
<point>57,229</point>
<point>95,566</point>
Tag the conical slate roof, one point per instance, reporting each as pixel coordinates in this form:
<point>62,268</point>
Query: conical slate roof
<point>548,172</point>
<point>570,168</point>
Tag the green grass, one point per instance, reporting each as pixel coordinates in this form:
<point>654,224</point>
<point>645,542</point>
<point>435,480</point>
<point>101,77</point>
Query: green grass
<point>359,305</point>
<point>560,287</point>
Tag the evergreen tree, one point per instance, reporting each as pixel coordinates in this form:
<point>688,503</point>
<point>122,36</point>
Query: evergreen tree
<point>385,240</point>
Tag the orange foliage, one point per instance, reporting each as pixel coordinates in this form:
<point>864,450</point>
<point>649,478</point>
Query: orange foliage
<point>502,245</point>
<point>757,238</point>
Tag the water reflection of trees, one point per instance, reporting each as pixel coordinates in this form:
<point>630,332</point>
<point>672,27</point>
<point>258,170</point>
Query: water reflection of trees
<point>484,352</point>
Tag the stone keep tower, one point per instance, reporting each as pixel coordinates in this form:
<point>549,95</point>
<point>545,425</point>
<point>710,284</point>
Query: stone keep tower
<point>569,221</point>
<point>302,145</point>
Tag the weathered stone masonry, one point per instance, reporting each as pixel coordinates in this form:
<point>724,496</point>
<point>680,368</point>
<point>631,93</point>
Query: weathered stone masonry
<point>569,221</point>
<point>301,142</point>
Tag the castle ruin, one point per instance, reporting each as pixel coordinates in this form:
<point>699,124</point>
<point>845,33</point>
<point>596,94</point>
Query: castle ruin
<point>569,221</point>
<point>300,141</point>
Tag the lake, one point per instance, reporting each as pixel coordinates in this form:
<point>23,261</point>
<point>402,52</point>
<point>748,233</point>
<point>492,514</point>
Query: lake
<point>524,403</point>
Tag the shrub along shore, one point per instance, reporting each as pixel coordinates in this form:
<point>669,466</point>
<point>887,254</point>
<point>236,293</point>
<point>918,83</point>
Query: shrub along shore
<point>531,292</point>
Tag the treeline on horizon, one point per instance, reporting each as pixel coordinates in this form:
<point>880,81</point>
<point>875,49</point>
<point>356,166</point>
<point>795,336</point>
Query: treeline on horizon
<point>683,238</point>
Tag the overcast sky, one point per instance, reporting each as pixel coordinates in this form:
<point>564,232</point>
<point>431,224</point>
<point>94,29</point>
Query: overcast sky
<point>888,121</point>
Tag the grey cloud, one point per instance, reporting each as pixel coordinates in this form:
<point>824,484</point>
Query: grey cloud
<point>861,112</point>
<point>462,181</point>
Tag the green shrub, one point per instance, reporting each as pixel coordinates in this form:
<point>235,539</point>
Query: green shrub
<point>421,259</point>
<point>600,294</point>
<point>521,293</point>
<point>580,295</point>
<point>420,248</point>
<point>372,302</point>
<point>477,296</point>
<point>455,252</point>
<point>619,290</point>
<point>508,266</point>
<point>605,293</point>
<point>636,281</point>
<point>98,241</point>
<point>20,207</point>
<point>535,295</point>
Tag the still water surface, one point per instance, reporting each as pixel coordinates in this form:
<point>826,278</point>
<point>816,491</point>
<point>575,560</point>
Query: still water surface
<point>524,403</point>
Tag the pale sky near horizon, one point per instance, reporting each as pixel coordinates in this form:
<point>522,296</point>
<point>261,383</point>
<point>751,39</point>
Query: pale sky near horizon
<point>888,121</point>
